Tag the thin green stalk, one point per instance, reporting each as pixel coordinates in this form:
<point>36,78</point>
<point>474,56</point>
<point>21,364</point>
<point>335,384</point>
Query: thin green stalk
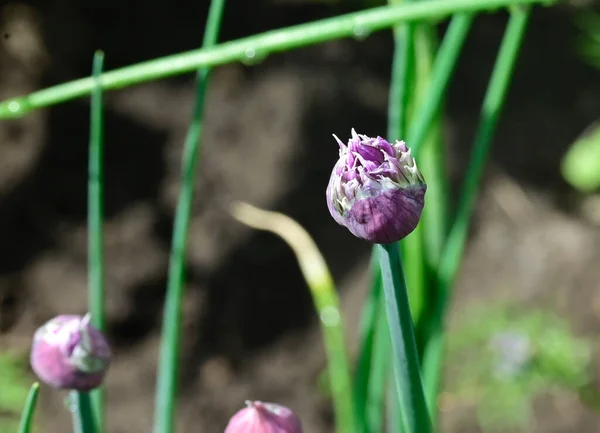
<point>82,413</point>
<point>407,375</point>
<point>25,424</point>
<point>343,26</point>
<point>373,366</point>
<point>452,255</point>
<point>168,367</point>
<point>402,72</point>
<point>443,68</point>
<point>95,213</point>
<point>400,96</point>
<point>367,333</point>
<point>435,219</point>
<point>319,280</point>
<point>379,374</point>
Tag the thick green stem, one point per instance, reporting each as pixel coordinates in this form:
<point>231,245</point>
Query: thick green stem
<point>362,23</point>
<point>407,375</point>
<point>82,413</point>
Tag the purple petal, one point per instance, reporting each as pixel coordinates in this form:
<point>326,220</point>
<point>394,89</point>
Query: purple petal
<point>388,217</point>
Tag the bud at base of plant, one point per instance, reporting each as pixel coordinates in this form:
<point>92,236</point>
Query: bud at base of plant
<point>69,353</point>
<point>259,417</point>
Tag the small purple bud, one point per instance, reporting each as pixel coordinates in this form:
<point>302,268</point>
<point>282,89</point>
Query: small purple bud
<point>376,190</point>
<point>259,417</point>
<point>69,353</point>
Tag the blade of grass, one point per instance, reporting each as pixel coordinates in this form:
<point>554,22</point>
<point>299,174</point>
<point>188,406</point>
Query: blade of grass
<point>343,26</point>
<point>320,282</point>
<point>82,413</point>
<point>407,375</point>
<point>168,367</point>
<point>95,214</point>
<point>453,252</point>
<point>25,423</point>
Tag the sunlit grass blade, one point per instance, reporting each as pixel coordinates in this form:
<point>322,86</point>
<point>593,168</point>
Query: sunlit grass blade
<point>452,255</point>
<point>82,413</point>
<point>267,43</point>
<point>25,424</point>
<point>325,298</point>
<point>95,214</point>
<point>405,363</point>
<point>168,366</point>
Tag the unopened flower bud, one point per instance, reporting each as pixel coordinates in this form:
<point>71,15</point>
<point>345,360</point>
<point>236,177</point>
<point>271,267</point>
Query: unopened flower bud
<point>375,189</point>
<point>259,417</point>
<point>69,353</point>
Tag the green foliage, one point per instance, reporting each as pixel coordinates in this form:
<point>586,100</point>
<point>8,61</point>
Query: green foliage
<point>14,385</point>
<point>580,166</point>
<point>501,358</point>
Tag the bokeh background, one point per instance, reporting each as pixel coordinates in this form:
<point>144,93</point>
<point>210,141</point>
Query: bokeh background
<point>250,329</point>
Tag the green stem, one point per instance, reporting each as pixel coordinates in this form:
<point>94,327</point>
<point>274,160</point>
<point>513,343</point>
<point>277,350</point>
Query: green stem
<point>95,212</point>
<point>453,252</point>
<point>367,333</point>
<point>168,367</point>
<point>29,409</point>
<point>405,361</point>
<point>261,45</point>
<point>443,68</point>
<point>83,415</point>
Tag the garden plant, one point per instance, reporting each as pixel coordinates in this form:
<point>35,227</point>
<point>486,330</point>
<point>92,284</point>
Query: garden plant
<point>389,188</point>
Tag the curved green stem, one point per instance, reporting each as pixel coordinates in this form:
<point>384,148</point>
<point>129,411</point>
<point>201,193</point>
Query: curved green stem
<point>29,409</point>
<point>261,45</point>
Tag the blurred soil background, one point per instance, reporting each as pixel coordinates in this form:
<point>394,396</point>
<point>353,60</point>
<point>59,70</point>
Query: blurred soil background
<point>250,330</point>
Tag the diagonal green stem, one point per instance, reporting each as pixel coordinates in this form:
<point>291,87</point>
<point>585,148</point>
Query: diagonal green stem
<point>29,409</point>
<point>263,44</point>
<point>168,367</point>
<point>443,68</point>
<point>407,376</point>
<point>453,252</point>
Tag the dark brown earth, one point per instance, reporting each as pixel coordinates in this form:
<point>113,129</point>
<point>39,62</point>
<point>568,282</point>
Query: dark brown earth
<point>250,328</point>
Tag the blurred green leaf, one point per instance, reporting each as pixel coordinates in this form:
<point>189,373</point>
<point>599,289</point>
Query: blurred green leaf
<point>14,385</point>
<point>580,166</point>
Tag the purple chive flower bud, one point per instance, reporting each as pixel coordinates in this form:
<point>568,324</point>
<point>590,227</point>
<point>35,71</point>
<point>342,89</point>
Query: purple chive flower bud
<point>375,189</point>
<point>259,417</point>
<point>69,353</point>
